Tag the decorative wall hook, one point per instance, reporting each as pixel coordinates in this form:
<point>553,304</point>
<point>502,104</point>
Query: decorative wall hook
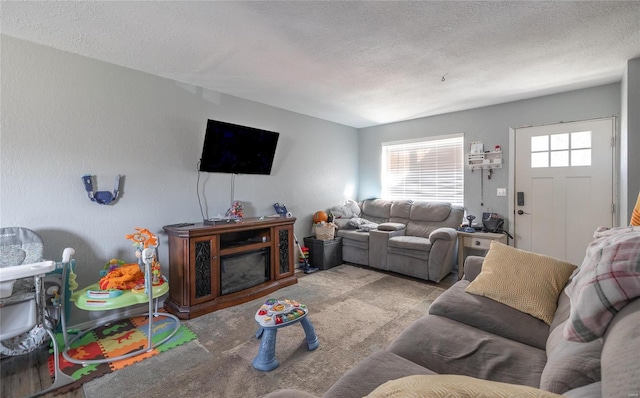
<point>101,197</point>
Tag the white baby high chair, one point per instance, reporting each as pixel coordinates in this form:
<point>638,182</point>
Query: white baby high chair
<point>27,286</point>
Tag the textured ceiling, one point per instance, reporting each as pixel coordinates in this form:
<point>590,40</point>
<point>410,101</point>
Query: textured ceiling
<point>355,63</point>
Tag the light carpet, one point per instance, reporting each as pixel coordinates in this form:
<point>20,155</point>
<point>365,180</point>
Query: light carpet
<point>355,312</point>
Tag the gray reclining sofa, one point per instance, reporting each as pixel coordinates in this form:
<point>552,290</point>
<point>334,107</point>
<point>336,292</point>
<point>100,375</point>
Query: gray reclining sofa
<point>465,334</point>
<point>415,238</point>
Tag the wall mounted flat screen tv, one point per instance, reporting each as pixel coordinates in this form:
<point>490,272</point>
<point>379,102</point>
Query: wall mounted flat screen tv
<point>230,148</point>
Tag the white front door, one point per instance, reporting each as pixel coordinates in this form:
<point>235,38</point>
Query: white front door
<point>564,186</point>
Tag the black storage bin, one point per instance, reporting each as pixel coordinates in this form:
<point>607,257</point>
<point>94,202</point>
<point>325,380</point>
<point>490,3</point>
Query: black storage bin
<point>324,254</point>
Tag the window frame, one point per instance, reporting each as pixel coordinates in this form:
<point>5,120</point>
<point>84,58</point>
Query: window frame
<point>456,195</point>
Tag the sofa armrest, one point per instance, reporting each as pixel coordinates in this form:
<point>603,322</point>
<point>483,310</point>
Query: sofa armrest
<point>443,252</point>
<point>378,241</point>
<point>472,267</point>
<point>443,233</point>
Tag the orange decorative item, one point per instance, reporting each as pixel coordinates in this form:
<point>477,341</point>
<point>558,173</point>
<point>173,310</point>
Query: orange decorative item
<point>143,237</point>
<point>142,240</point>
<point>320,216</point>
<point>123,276</point>
<point>127,276</point>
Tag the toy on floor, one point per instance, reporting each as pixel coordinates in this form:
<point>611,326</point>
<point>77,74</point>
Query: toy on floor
<point>122,276</point>
<point>123,284</point>
<point>306,268</point>
<point>304,255</point>
<point>273,315</point>
<point>277,312</point>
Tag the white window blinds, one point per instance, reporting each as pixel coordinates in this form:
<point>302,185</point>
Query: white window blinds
<point>430,169</point>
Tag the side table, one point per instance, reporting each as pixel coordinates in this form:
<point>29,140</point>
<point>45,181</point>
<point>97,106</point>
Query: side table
<point>271,316</point>
<point>476,241</point>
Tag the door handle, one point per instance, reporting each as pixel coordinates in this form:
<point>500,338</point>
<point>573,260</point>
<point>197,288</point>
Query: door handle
<point>521,212</point>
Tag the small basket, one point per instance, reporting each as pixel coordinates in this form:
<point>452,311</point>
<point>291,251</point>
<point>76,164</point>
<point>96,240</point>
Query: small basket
<point>324,232</point>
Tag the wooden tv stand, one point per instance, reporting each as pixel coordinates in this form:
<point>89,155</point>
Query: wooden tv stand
<point>195,252</point>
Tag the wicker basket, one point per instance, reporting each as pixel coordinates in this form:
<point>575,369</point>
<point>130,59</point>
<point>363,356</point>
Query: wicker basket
<point>324,232</point>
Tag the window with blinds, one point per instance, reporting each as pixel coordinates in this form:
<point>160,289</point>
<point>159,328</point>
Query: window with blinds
<point>428,169</point>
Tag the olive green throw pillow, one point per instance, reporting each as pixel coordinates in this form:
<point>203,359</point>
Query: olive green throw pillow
<point>526,281</point>
<point>436,386</point>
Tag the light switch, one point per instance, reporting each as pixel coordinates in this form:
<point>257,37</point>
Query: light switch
<point>502,192</point>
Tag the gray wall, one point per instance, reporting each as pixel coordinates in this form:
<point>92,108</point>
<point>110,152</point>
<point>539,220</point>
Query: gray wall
<point>65,115</point>
<point>489,125</point>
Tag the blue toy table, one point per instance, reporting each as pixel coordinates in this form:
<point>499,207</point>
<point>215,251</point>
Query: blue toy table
<point>272,316</point>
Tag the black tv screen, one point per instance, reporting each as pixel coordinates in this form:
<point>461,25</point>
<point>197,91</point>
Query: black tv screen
<point>230,148</point>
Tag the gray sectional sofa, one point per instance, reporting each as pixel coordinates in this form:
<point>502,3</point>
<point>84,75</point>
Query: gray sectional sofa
<point>415,238</point>
<point>490,342</point>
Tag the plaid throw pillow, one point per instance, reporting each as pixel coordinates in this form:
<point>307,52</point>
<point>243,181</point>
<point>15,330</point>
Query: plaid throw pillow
<point>607,280</point>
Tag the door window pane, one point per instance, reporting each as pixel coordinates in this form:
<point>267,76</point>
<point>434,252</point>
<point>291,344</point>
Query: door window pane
<point>559,141</point>
<point>581,140</point>
<point>560,159</point>
<point>540,143</point>
<point>540,159</point>
<point>581,157</point>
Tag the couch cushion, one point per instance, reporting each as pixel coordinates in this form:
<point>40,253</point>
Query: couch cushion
<point>426,217</point>
<point>376,210</point>
<point>607,280</point>
<point>490,315</point>
<point>367,375</point>
<point>349,236</point>
<point>400,209</point>
<point>569,364</point>
<point>447,346</point>
<point>526,281</point>
<point>430,211</point>
<point>410,243</point>
<point>409,246</point>
<point>446,386</point>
